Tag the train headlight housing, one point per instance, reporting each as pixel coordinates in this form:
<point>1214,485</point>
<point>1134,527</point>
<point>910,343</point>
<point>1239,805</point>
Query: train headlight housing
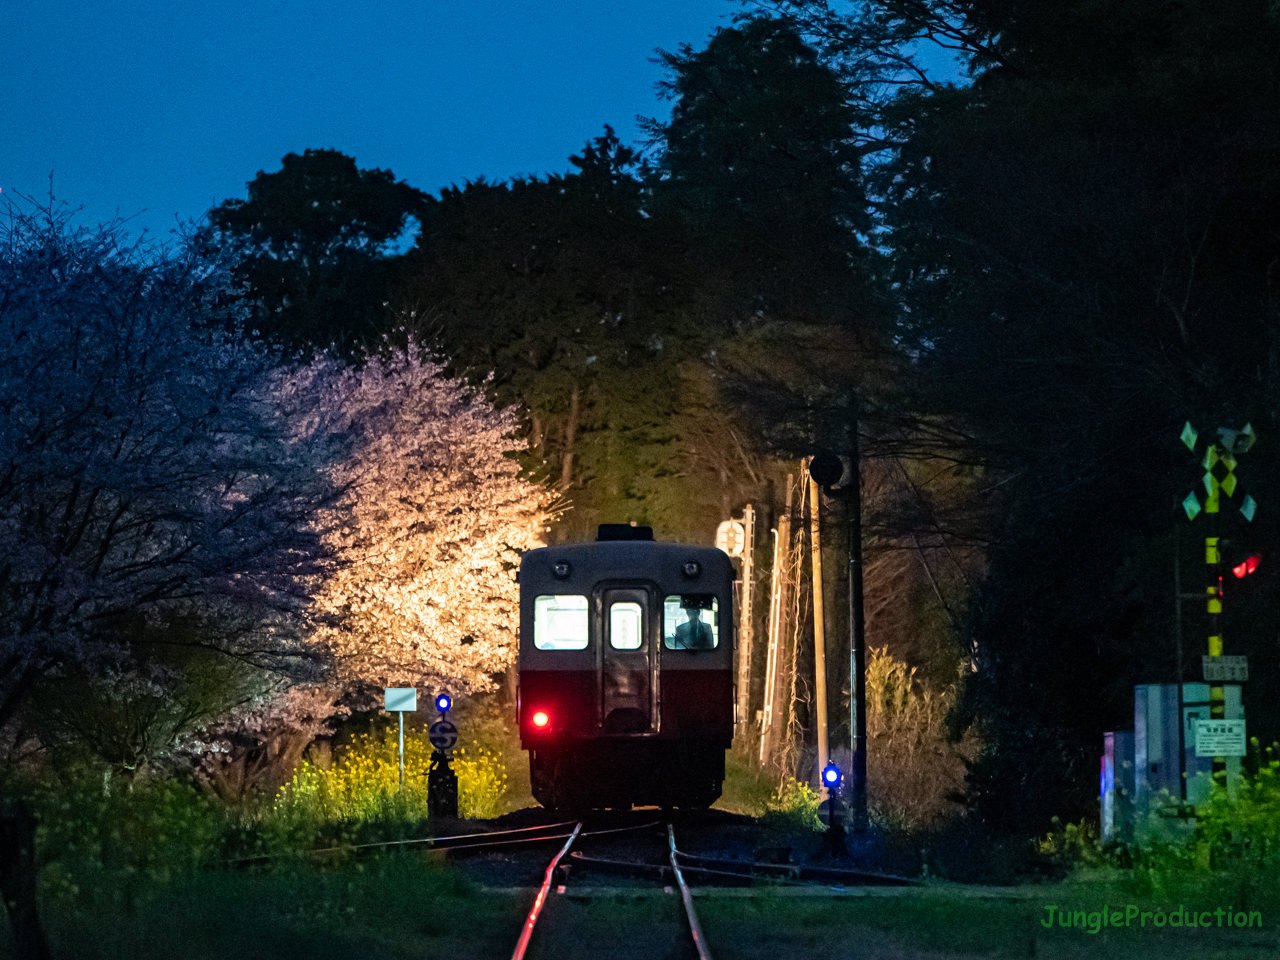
<point>541,719</point>
<point>562,569</point>
<point>692,568</point>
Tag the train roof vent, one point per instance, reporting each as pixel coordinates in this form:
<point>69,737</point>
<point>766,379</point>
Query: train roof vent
<point>623,531</point>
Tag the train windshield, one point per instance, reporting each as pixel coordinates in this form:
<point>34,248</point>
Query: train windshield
<point>690,621</point>
<point>560,622</point>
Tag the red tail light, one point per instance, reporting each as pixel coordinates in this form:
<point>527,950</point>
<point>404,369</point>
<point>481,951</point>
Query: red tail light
<point>540,719</point>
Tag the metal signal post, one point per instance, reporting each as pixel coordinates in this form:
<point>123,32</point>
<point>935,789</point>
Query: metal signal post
<point>1219,463</point>
<point>442,782</point>
<point>827,470</point>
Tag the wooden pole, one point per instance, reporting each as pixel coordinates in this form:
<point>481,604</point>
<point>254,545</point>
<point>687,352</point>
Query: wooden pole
<point>819,635</point>
<point>745,623</point>
<point>777,628</point>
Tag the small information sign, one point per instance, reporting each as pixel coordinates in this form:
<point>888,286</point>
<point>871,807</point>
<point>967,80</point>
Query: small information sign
<point>442,734</point>
<point>404,699</point>
<point>1220,738</point>
<point>1226,669</point>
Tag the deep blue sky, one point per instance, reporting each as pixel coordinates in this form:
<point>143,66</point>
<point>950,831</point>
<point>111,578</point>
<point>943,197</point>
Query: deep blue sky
<point>169,108</point>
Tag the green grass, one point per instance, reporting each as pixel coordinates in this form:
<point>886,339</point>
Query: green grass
<point>747,789</point>
<point>412,905</point>
<point>946,923</point>
<point>394,906</point>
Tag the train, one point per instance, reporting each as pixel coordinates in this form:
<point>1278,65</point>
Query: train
<point>625,692</point>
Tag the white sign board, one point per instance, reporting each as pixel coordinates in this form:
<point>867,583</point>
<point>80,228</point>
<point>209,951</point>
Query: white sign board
<point>1220,738</point>
<point>731,537</point>
<point>401,698</point>
<point>1226,668</point>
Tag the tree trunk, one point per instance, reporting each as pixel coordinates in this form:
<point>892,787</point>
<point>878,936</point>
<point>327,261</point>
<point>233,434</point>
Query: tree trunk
<point>18,881</point>
<point>535,436</point>
<point>570,435</point>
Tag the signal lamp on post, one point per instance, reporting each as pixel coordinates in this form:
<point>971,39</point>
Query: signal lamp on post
<point>831,777</point>
<point>444,702</point>
<point>541,719</point>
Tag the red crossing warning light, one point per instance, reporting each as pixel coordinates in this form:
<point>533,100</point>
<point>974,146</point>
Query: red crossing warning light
<point>1242,570</point>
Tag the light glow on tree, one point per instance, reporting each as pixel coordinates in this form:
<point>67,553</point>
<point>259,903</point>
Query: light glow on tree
<point>431,527</point>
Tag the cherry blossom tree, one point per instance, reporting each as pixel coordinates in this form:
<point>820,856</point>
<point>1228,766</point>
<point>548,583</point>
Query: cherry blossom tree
<point>149,476</point>
<point>434,518</point>
<point>204,552</point>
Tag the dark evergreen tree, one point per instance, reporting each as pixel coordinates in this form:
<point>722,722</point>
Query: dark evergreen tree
<point>759,166</point>
<point>578,302</point>
<point>1084,245</point>
<point>314,242</point>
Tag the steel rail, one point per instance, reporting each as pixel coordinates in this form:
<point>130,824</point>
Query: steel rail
<point>550,836</point>
<point>432,840</point>
<point>523,943</point>
<point>798,872</point>
<point>695,928</point>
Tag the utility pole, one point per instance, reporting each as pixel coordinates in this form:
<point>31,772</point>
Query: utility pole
<point>819,633</point>
<point>745,622</point>
<point>857,636</point>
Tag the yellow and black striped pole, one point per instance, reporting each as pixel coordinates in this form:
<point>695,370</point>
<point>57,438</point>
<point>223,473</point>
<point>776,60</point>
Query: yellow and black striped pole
<point>1213,567</point>
<point>1219,465</point>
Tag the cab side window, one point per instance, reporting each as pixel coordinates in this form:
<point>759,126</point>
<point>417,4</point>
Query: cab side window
<point>560,622</point>
<point>691,621</point>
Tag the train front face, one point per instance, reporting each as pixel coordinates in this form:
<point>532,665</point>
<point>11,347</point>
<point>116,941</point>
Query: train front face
<point>626,673</point>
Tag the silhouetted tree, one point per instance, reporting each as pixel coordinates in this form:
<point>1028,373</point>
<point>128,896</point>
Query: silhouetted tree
<point>315,243</point>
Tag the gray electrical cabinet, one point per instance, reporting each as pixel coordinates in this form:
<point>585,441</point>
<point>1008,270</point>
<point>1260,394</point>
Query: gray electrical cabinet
<point>1153,769</point>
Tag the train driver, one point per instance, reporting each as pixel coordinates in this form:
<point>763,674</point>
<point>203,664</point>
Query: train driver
<point>694,634</point>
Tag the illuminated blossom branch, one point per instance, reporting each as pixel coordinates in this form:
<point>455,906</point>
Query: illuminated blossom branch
<point>434,519</point>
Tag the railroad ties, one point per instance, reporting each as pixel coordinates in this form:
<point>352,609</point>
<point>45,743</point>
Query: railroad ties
<point>686,897</point>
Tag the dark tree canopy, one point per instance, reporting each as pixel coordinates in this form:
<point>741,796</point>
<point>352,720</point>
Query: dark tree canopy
<point>315,240</point>
<point>578,303</point>
<point>757,162</point>
<point>1084,247</point>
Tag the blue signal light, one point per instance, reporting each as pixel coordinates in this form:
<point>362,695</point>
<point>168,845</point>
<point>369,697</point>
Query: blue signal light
<point>831,776</point>
<point>443,703</point>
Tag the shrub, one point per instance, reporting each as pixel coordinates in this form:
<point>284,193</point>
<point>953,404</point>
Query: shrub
<point>97,846</point>
<point>793,806</point>
<point>1231,848</point>
<point>1073,843</point>
<point>1246,827</point>
<point>912,765</point>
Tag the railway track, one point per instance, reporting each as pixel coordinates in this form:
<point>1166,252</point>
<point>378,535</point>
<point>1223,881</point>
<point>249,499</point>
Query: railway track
<point>694,928</point>
<point>673,868</point>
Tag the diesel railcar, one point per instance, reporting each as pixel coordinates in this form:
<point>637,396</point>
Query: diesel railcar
<point>626,680</point>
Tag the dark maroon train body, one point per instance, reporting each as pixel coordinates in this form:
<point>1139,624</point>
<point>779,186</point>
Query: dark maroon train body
<point>626,671</point>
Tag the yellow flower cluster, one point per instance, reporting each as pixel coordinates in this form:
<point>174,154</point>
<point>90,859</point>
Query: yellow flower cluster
<point>364,783</point>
